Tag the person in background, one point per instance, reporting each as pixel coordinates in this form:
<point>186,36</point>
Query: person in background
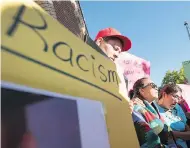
<point>151,132</point>
<point>112,43</point>
<point>173,114</point>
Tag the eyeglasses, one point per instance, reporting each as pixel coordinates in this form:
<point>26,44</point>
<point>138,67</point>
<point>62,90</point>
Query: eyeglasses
<point>176,97</point>
<point>154,86</point>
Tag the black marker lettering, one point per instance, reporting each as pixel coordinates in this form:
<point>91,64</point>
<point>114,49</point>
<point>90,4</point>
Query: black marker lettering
<point>78,61</point>
<point>70,52</point>
<point>18,20</point>
<point>105,78</point>
<point>114,76</point>
<point>93,65</point>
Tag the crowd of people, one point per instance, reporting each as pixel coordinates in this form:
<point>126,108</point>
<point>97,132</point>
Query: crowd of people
<point>161,117</point>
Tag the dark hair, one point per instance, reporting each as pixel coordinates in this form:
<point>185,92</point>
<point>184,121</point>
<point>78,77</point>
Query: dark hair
<point>169,89</point>
<point>113,38</point>
<point>136,87</point>
<point>131,94</point>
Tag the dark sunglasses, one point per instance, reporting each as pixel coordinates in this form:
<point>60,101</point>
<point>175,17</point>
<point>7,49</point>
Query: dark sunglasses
<point>152,85</point>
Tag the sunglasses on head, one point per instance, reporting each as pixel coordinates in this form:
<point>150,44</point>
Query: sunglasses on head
<point>152,85</point>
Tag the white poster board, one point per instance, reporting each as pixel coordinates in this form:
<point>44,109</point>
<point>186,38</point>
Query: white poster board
<point>133,67</point>
<point>185,92</point>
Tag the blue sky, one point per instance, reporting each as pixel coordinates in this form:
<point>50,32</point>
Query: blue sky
<point>155,28</point>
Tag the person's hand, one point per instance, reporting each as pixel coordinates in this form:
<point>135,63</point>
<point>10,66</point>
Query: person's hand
<point>28,141</point>
<point>137,101</point>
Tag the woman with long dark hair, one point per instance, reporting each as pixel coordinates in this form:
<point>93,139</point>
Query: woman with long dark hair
<point>153,132</point>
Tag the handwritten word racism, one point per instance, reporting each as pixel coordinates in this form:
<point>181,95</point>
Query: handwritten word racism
<point>85,62</point>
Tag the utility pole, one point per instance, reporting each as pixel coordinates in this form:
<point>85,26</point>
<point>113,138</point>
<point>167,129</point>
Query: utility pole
<point>188,28</point>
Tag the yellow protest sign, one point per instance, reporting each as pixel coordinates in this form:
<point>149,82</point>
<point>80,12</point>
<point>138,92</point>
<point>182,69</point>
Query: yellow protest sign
<point>37,51</point>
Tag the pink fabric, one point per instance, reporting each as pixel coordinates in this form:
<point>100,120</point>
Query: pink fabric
<point>134,68</point>
<point>186,106</point>
<point>186,95</point>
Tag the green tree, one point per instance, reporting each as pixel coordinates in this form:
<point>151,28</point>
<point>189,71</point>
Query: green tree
<point>177,77</point>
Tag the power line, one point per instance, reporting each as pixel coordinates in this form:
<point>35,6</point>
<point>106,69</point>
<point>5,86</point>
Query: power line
<point>188,29</point>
